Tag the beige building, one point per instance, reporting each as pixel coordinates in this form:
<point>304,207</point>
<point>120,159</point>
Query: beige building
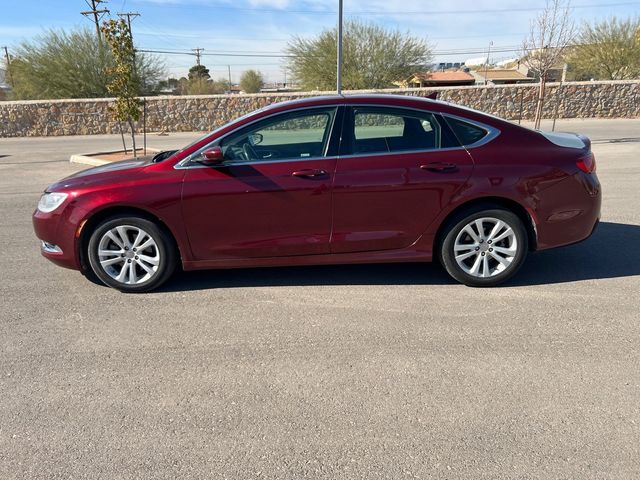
<point>500,76</point>
<point>437,79</point>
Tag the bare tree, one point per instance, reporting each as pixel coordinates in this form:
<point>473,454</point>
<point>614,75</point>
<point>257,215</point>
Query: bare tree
<point>551,33</point>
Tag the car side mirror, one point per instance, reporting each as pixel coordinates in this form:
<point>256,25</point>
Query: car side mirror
<point>211,157</point>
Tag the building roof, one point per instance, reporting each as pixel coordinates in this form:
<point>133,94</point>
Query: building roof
<point>502,74</point>
<point>443,77</point>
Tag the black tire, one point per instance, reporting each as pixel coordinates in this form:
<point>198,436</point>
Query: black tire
<point>498,273</point>
<point>163,248</point>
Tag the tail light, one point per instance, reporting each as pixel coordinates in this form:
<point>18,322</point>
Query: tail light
<point>587,163</point>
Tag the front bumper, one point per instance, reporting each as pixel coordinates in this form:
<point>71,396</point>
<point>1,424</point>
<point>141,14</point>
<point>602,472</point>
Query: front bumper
<point>58,234</point>
<point>569,211</point>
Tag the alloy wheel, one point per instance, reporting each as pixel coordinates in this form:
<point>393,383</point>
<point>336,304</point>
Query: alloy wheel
<point>485,247</point>
<point>129,254</point>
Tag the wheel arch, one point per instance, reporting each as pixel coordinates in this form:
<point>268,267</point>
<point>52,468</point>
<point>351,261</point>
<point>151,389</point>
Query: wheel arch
<point>98,217</point>
<point>487,202</point>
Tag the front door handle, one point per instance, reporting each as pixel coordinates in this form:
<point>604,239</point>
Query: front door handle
<point>309,173</point>
<point>440,167</point>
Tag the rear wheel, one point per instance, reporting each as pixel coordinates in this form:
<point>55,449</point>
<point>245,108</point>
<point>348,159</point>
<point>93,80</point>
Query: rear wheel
<point>131,254</point>
<point>484,248</point>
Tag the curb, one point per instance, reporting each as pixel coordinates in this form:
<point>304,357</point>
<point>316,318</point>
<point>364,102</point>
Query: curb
<point>94,160</point>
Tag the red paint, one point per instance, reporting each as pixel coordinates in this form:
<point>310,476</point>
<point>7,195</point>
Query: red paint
<point>337,209</point>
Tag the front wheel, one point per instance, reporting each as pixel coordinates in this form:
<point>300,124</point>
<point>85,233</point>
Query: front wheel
<point>484,248</point>
<point>131,254</point>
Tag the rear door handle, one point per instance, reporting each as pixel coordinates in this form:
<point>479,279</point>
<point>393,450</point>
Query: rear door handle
<point>440,167</point>
<point>309,173</point>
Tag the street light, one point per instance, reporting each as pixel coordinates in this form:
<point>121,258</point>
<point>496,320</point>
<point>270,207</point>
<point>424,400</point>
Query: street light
<point>486,65</point>
<point>339,62</point>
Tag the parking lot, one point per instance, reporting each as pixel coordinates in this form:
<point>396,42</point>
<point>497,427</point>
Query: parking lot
<point>383,371</point>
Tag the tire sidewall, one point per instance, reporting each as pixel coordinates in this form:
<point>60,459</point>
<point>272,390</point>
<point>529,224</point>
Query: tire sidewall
<point>447,255</point>
<point>165,247</point>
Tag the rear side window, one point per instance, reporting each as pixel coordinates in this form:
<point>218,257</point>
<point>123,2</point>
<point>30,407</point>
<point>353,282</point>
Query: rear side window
<point>466,133</point>
<point>384,130</point>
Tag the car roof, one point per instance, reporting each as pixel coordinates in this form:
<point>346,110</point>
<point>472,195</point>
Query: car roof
<point>384,99</point>
<point>375,98</point>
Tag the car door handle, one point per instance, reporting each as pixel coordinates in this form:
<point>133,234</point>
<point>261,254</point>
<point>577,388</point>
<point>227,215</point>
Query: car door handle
<point>440,167</point>
<point>309,173</point>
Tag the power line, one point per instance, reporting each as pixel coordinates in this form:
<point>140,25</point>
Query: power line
<point>96,13</point>
<point>404,12</point>
<point>198,52</point>
<point>143,50</point>
<point>486,10</point>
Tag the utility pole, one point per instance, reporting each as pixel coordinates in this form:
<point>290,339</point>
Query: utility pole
<point>129,15</point>
<point>6,55</point>
<point>229,67</point>
<point>198,54</point>
<point>339,65</point>
<point>96,13</point>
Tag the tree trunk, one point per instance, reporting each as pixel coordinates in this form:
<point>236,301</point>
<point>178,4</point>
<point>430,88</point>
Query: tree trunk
<point>540,103</point>
<point>124,145</point>
<point>133,137</point>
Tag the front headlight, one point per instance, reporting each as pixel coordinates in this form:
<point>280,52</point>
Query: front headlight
<point>50,201</point>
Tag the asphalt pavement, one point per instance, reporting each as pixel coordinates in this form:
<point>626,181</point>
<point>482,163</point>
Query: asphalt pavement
<point>379,371</point>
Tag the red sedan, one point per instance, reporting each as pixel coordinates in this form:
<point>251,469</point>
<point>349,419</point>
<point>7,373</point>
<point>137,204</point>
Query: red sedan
<point>328,180</point>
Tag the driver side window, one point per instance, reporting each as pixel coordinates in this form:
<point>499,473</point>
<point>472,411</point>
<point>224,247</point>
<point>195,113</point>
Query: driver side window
<point>296,135</point>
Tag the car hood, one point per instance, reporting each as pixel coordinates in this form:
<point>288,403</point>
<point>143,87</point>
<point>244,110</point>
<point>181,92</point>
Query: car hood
<point>101,174</point>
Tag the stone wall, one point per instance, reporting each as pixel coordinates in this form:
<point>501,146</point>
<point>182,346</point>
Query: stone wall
<point>619,99</point>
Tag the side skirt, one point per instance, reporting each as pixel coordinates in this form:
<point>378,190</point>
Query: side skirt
<point>387,256</point>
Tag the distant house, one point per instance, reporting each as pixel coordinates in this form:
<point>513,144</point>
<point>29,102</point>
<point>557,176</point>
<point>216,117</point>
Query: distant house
<point>438,79</point>
<point>500,76</point>
<point>554,75</point>
<point>279,87</point>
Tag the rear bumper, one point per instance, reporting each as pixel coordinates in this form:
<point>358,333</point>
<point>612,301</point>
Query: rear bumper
<point>569,211</point>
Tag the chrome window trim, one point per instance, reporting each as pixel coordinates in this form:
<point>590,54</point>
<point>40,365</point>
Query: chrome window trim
<point>492,133</point>
<point>402,152</point>
<point>184,163</point>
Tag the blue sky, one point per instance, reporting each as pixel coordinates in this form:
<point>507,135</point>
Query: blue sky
<point>264,26</point>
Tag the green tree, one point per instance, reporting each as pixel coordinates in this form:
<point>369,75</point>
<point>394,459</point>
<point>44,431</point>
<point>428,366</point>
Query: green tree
<point>607,50</point>
<point>202,86</point>
<point>251,81</point>
<point>123,84</point>
<point>199,72</point>
<point>60,64</point>
<point>373,57</point>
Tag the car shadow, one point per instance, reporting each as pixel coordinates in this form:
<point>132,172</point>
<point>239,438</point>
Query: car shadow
<point>612,251</point>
